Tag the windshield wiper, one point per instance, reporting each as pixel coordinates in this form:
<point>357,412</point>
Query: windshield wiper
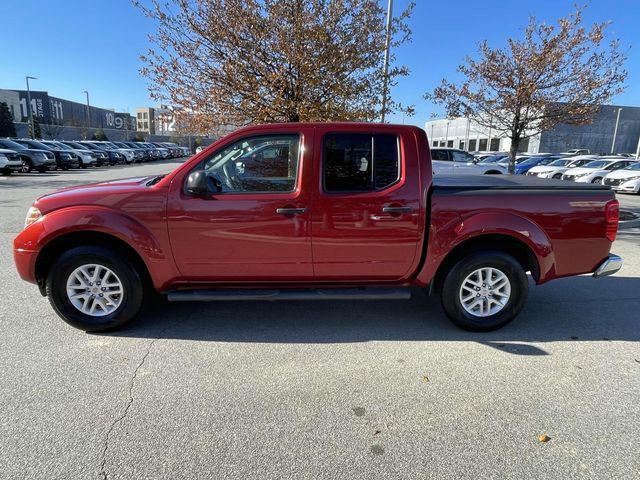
<point>155,180</point>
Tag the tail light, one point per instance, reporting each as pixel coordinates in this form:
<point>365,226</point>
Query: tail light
<point>612,215</point>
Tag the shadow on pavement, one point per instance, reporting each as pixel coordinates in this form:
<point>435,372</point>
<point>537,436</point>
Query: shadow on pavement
<point>574,309</point>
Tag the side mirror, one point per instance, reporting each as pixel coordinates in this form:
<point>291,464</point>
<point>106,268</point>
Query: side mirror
<point>201,185</point>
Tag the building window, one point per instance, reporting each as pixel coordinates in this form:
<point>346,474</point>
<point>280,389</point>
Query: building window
<point>145,115</point>
<point>495,145</point>
<point>450,143</point>
<point>472,145</point>
<point>482,145</point>
<point>146,125</point>
<point>140,115</point>
<point>461,145</point>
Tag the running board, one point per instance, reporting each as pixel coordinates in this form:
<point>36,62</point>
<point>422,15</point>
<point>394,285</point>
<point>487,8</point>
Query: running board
<point>290,294</point>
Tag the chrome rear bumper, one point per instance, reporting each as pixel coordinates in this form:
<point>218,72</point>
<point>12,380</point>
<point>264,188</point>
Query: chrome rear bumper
<point>610,266</point>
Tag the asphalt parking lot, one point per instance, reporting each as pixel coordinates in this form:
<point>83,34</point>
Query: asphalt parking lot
<point>318,390</point>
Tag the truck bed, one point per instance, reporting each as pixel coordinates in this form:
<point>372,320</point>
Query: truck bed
<point>509,182</point>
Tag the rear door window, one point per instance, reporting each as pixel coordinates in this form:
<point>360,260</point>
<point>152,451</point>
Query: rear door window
<point>442,155</point>
<point>360,162</point>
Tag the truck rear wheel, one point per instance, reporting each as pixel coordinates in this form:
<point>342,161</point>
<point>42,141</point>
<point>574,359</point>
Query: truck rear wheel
<point>484,291</point>
<point>93,289</point>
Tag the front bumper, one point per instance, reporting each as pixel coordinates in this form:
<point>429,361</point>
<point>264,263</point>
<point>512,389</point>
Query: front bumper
<point>611,265</point>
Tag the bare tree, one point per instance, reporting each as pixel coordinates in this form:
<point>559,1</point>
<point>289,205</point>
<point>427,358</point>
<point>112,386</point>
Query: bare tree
<point>555,74</point>
<point>244,61</point>
<point>52,130</point>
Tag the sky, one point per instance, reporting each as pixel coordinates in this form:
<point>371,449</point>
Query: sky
<point>94,45</point>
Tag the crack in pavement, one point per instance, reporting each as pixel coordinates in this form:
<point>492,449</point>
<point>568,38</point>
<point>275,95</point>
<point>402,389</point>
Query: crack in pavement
<point>103,462</point>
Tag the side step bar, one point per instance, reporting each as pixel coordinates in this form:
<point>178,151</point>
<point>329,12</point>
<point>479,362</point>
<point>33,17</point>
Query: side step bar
<point>291,294</point>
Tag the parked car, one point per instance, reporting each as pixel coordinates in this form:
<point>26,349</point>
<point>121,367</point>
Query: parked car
<point>145,152</point>
<point>527,163</point>
<point>173,152</point>
<point>31,158</point>
<point>494,158</point>
<point>114,156</point>
<point>556,168</point>
<point>451,161</point>
<point>129,153</point>
<point>136,154</point>
<point>594,171</point>
<point>87,157</point>
<point>9,162</point>
<point>381,223</point>
<point>624,180</point>
<point>102,157</point>
<point>65,159</point>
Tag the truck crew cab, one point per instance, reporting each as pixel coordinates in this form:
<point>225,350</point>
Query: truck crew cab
<point>313,211</point>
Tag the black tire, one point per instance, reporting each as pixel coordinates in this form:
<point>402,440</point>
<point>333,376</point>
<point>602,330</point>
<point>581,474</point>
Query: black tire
<point>452,285</point>
<point>133,287</point>
<point>6,172</point>
<point>27,166</point>
<point>597,180</point>
<point>557,176</point>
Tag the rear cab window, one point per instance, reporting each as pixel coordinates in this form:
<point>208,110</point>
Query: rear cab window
<point>354,162</point>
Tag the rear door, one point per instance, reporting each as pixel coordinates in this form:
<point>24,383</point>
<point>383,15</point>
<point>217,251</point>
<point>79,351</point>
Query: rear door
<point>365,217</point>
<point>441,162</point>
<point>463,163</point>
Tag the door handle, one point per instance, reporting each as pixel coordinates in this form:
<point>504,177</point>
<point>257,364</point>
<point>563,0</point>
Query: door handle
<point>397,210</point>
<point>291,211</point>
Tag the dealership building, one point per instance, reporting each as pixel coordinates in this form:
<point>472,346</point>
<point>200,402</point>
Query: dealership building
<point>597,136</point>
<point>66,119</point>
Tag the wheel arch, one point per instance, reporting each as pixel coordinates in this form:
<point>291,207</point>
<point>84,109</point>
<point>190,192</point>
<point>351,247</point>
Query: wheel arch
<point>57,246</point>
<point>508,244</point>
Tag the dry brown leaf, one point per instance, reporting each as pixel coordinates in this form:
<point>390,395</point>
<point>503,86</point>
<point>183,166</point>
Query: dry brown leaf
<point>544,438</point>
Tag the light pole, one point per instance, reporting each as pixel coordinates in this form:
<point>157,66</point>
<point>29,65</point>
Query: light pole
<point>33,133</point>
<point>387,42</point>
<point>615,132</point>
<point>88,114</point>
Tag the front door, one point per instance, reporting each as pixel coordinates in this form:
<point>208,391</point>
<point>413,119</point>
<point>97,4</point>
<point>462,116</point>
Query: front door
<point>463,163</point>
<point>256,228</point>
<point>366,217</point>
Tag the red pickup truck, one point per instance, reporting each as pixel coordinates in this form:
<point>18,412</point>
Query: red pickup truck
<point>313,211</point>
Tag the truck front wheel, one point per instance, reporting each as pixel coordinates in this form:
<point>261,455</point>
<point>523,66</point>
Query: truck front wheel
<point>484,291</point>
<point>94,289</point>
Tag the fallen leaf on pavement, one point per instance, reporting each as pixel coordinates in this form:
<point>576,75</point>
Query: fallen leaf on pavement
<point>377,432</point>
<point>544,438</point>
<point>425,378</point>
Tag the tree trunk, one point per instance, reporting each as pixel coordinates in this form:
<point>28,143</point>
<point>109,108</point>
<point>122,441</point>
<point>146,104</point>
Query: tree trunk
<point>515,143</point>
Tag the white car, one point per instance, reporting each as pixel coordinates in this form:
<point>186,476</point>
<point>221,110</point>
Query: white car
<point>625,180</point>
<point>556,168</point>
<point>594,171</point>
<point>9,162</point>
<point>450,161</point>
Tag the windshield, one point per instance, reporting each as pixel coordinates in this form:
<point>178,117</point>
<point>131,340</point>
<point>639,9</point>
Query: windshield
<point>53,146</point>
<point>560,163</point>
<point>89,146</point>
<point>34,144</point>
<point>578,163</point>
<point>74,145</point>
<point>597,164</point>
<point>492,159</point>
<point>12,144</point>
<point>634,166</point>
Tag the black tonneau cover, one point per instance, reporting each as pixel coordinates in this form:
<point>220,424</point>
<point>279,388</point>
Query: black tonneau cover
<point>509,182</point>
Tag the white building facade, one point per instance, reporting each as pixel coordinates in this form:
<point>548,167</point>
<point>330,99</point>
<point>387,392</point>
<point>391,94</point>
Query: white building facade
<point>465,134</point>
